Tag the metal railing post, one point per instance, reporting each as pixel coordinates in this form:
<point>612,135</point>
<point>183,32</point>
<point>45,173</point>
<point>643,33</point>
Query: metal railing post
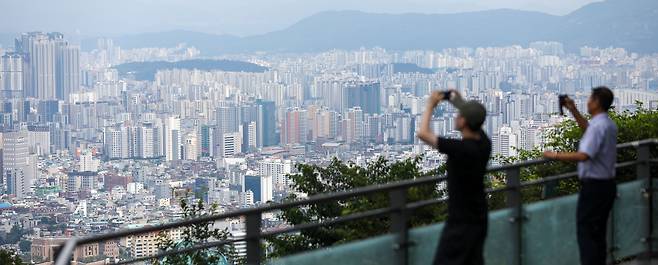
<point>65,254</point>
<point>514,201</point>
<point>253,224</point>
<point>550,189</point>
<point>644,172</point>
<point>400,224</point>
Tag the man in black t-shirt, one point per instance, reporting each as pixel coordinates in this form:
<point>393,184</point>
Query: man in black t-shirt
<point>462,240</point>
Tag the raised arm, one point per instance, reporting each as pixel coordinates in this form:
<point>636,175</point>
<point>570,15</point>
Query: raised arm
<point>425,133</point>
<point>567,157</point>
<point>571,106</point>
<point>590,146</point>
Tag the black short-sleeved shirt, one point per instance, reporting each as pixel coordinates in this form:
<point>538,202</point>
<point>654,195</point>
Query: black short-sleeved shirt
<point>466,166</point>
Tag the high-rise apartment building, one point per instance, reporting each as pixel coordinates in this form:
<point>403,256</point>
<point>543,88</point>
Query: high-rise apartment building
<point>253,184</point>
<point>266,124</point>
<point>230,144</point>
<point>278,170</point>
<point>365,95</point>
<point>260,186</point>
<point>227,119</point>
<point>342,91</point>
<point>19,166</point>
<point>67,70</point>
<point>206,140</point>
<point>249,136</point>
<point>372,128</point>
<point>11,76</point>
<point>324,124</point>
<point>172,141</point>
<point>38,49</point>
<point>294,128</point>
<point>190,147</point>
<point>87,163</point>
<point>51,66</point>
<point>148,140</point>
<point>116,142</point>
<point>507,142</point>
<point>354,129</point>
<point>39,140</point>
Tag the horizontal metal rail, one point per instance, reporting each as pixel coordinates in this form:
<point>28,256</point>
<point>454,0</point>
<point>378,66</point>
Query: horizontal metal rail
<point>69,246</point>
<point>267,208</point>
<point>185,250</point>
<point>362,215</point>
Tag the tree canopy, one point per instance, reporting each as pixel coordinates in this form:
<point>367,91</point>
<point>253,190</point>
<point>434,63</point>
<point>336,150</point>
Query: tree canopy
<point>9,257</point>
<point>340,176</point>
<point>194,235</point>
<point>14,235</point>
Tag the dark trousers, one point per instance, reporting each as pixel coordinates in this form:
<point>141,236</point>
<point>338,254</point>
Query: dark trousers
<point>461,244</point>
<point>594,204</point>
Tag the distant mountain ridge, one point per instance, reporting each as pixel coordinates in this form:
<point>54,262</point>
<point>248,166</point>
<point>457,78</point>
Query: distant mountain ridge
<point>630,24</point>
<point>202,41</point>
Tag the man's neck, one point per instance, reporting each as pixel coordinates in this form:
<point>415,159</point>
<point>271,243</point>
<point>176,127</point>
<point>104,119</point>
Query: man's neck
<point>597,112</point>
<point>468,134</point>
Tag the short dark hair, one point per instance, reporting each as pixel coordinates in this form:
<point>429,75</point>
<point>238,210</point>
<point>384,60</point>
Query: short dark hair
<point>604,95</point>
<point>474,113</point>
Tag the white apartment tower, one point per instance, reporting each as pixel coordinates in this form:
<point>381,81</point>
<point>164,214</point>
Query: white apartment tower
<point>19,165</point>
<point>230,144</point>
<point>87,162</point>
<point>278,170</point>
<point>190,147</point>
<point>172,140</point>
<point>116,142</point>
<point>51,66</point>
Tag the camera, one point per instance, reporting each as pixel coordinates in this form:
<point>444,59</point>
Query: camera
<point>562,100</point>
<point>446,94</point>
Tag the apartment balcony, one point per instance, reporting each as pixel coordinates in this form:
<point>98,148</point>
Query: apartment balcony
<point>535,233</point>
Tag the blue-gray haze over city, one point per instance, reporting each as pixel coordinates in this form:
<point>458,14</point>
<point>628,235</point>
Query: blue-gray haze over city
<point>242,18</point>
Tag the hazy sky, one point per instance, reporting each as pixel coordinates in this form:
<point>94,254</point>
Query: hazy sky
<point>239,17</point>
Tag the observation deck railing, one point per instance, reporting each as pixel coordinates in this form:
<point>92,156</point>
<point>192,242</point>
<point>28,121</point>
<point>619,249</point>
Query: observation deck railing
<point>512,223</point>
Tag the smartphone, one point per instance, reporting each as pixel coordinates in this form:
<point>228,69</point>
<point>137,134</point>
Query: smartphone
<point>562,100</point>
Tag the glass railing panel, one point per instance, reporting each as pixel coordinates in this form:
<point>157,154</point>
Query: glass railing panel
<point>373,251</point>
<point>549,232</point>
<point>629,219</point>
